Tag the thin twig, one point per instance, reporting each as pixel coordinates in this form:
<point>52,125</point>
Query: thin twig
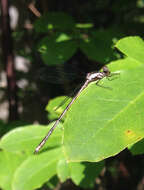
<point>34,10</point>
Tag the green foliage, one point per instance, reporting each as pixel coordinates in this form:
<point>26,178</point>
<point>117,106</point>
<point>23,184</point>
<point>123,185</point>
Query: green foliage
<point>98,45</point>
<point>84,174</point>
<point>125,46</point>
<point>63,38</point>
<point>31,171</point>
<point>137,148</point>
<point>81,173</point>
<point>56,49</point>
<point>54,21</point>
<point>101,123</point>
<point>54,108</point>
<point>36,170</point>
<point>107,123</point>
<point>24,139</point>
<point>9,162</point>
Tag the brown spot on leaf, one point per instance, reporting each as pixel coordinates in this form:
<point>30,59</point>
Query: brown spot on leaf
<point>128,131</point>
<point>130,134</point>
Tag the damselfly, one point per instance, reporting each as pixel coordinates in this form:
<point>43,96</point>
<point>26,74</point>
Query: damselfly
<point>90,77</point>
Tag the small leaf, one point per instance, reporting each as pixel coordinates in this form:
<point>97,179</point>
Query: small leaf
<point>53,106</point>
<point>132,47</point>
<point>84,25</point>
<point>84,174</point>
<point>63,170</point>
<point>63,37</point>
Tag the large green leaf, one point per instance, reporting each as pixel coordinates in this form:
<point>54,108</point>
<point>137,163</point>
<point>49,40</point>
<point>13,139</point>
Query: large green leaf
<point>36,170</point>
<point>24,139</point>
<point>103,122</point>
<point>9,162</point>
<point>98,45</point>
<point>57,49</point>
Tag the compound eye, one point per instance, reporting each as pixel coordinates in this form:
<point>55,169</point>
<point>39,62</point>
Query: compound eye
<point>105,69</point>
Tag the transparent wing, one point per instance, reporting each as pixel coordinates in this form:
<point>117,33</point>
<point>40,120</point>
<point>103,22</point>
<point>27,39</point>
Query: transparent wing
<point>57,75</point>
<point>68,97</point>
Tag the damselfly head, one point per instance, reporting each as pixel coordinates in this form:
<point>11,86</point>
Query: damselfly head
<point>106,71</point>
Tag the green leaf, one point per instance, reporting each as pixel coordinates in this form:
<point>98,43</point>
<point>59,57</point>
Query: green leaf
<point>36,170</point>
<point>84,174</point>
<point>5,127</point>
<point>9,162</point>
<point>56,49</point>
<point>103,122</point>
<point>53,106</point>
<point>132,47</point>
<point>84,25</point>
<point>98,45</point>
<point>53,21</point>
<point>63,170</point>
<point>25,139</point>
<point>137,148</point>
<point>52,183</point>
